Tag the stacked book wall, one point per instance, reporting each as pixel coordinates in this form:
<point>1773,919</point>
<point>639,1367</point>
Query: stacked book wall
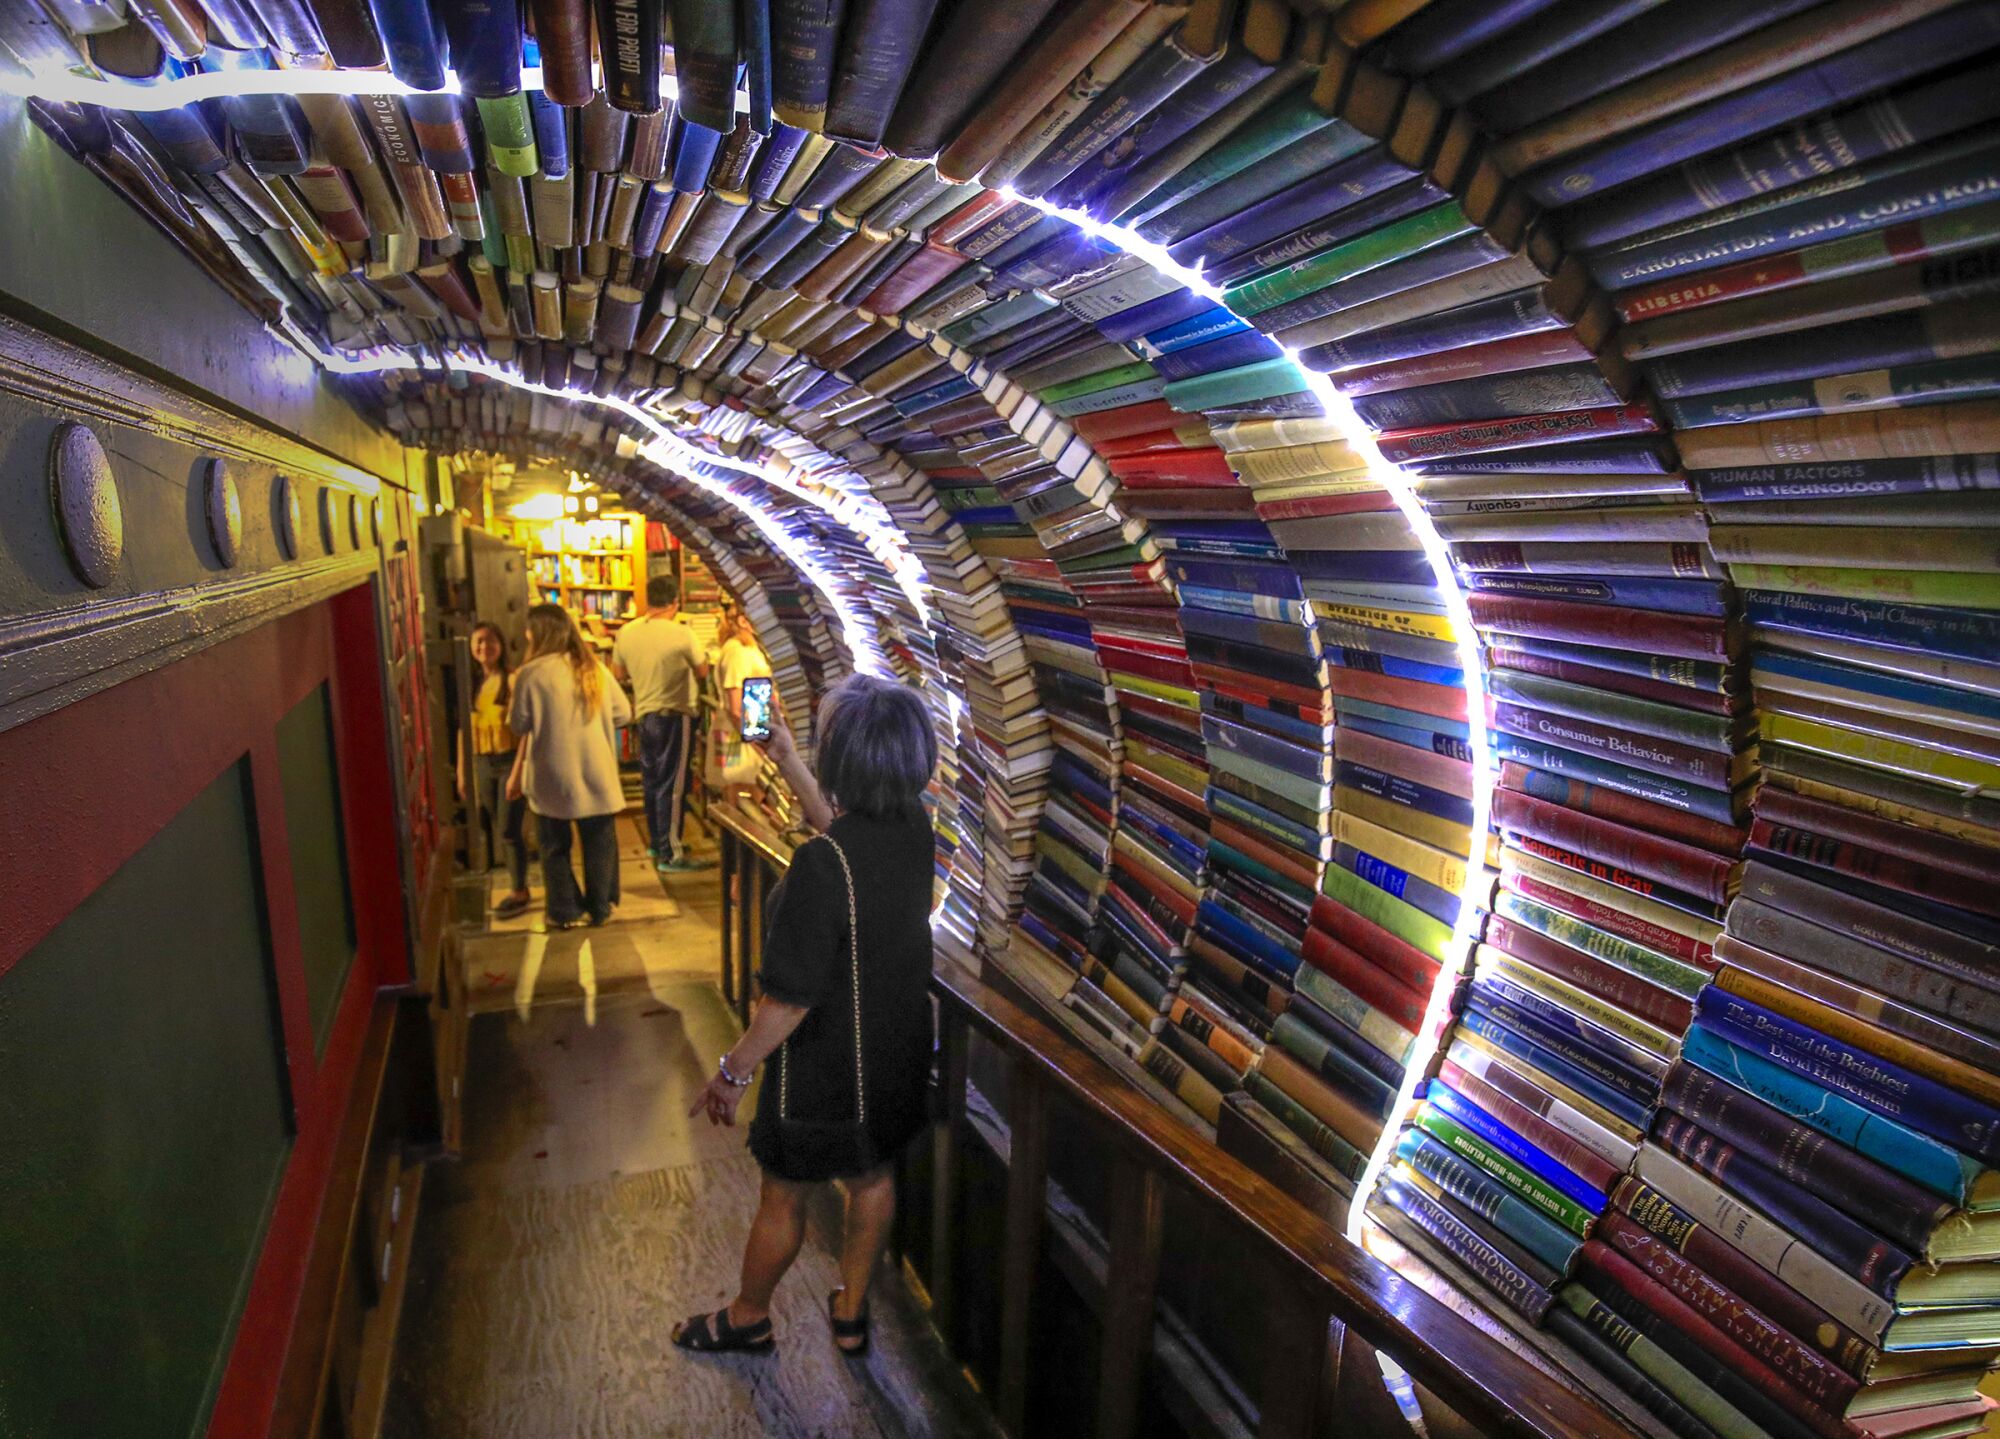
<point>1708,425</point>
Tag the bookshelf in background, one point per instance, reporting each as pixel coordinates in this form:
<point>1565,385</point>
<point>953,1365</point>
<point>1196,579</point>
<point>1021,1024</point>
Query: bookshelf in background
<point>593,568</point>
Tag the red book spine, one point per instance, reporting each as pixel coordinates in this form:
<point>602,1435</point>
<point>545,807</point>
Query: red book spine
<point>1608,982</point>
<point>1433,441</point>
<point>1419,766</point>
<point>1818,1379</point>
<point>1891,871</point>
<point>1694,829</point>
<point>1657,1215</point>
<point>969,217</point>
<point>1638,686</point>
<point>1666,860</point>
<point>1259,690</point>
<point>923,269</point>
<point>1208,466</point>
<point>1294,866</point>
<point>1695,637</point>
<point>1172,793</point>
<point>1152,667</point>
<point>1612,1268</point>
<point>1139,444</point>
<point>1566,1149</point>
<point>1398,958</point>
<point>1368,983</point>
<point>1317,507</point>
<point>1597,869</point>
<point>1444,701</point>
<point>1970,861</point>
<point>1655,937</point>
<point>1146,883</point>
<point>1127,420</point>
<point>1518,352</point>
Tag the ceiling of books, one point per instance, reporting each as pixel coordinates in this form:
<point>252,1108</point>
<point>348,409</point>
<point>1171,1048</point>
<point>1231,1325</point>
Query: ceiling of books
<point>1411,507</point>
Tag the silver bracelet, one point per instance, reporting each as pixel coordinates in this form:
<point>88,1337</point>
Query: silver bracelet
<point>722,1068</point>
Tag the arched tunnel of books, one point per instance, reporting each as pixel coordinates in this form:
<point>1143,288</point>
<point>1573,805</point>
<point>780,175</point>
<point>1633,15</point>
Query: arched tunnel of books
<point>1450,545</point>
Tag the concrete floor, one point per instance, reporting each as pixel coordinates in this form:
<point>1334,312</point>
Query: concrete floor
<point>587,1213</point>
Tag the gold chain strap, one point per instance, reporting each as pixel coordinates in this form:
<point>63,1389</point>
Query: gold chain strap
<point>854,953</point>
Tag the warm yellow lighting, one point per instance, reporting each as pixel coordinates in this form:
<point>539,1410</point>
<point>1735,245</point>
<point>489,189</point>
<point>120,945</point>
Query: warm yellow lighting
<point>590,504</point>
<point>537,507</point>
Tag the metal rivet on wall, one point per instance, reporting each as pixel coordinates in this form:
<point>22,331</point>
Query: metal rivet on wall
<point>223,505</point>
<point>289,520</point>
<point>354,520</point>
<point>329,518</point>
<point>375,519</point>
<point>84,494</point>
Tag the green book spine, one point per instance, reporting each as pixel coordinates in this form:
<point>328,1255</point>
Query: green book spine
<point>1658,1365</point>
<point>972,497</point>
<point>1239,386</point>
<point>1559,1207</point>
<point>1401,919</point>
<point>1101,380</point>
<point>1682,979</point>
<point>1354,1012</point>
<point>1960,589</point>
<point>1585,702</point>
<point>1295,1117</point>
<point>1378,247</point>
<point>1291,118</point>
<point>1117,397</point>
<point>1259,871</point>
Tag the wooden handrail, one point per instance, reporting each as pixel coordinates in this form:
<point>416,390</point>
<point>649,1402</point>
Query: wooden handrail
<point>1330,1283</point>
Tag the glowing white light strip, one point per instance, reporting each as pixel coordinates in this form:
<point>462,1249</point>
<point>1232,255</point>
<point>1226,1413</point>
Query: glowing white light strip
<point>1437,1014</point>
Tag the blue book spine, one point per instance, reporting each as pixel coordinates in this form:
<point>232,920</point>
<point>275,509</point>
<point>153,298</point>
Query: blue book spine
<point>1485,397</point>
<point>1583,1058</point>
<point>1299,162</point>
<point>805,39</point>
<point>1883,341</point>
<point>410,38</point>
<point>1408,793</point>
<point>1386,567</point>
<point>1477,1020</point>
<point>1661,789</point>
<point>1965,634</point>
<point>1850,479</point>
<point>629,38</point>
<point>1243,348</point>
<point>1417,737</point>
<point>694,153</point>
<point>1152,78</point>
<point>1268,823</point>
<point>1162,314</point>
<point>775,159</point>
<point>1256,579</point>
<point>1489,1199</point>
<point>1886,60</point>
<point>1916,193</point>
<point>753,23</point>
<point>957,387</point>
<point>1187,855</point>
<point>1938,1167</point>
<point>1439,904</point>
<point>1873,682</point>
<point>1380,664</point>
<point>1643,45</point>
<point>1305,731</point>
<point>1206,92</point>
<point>1609,1057</point>
<point>1521,312</point>
<point>1684,597</point>
<point>1962,379</point>
<point>1226,738</point>
<point>1345,224</point>
<point>1194,331</point>
<point>1529,44</point>
<point>1309,204</point>
<point>1218,924</point>
<point>879,44</point>
<point>1441,34</point>
<point>1564,1180</point>
<point>485,40</point>
<point>551,124</point>
<point>1576,457</point>
<point>1268,605</point>
<point>1826,144</point>
<point>1887,1089</point>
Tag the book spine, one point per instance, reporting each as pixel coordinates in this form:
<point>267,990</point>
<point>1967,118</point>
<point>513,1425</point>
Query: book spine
<point>1522,392</point>
<point>1711,803</point>
<point>1669,862</point>
<point>1876,1084</point>
<point>1482,1260</point>
<point>1664,721</point>
<point>1608,804</point>
<point>1861,1253</point>
<point>1915,1156</point>
<point>1630,992</point>
<point>1609,1345</point>
<point>805,40</point>
<point>1537,1162</point>
<point>1603,625</point>
<point>1680,1231</point>
<point>1504,317</point>
<point>1489,1198</point>
<point>1894,386</point>
<point>1599,926</point>
<point>1318,275</point>
<point>1646,752</point>
<point>879,43</point>
<point>1917,876</point>
<point>1532,1123</point>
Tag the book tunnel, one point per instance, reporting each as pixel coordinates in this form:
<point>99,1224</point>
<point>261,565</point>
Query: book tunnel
<point>1448,552</point>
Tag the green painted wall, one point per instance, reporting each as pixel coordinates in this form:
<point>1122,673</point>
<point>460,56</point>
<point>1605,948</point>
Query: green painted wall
<point>319,855</point>
<point>144,1125</point>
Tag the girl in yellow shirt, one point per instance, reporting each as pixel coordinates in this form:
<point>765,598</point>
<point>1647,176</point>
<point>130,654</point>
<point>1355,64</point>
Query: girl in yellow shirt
<point>493,760</point>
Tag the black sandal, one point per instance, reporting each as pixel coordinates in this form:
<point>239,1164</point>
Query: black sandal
<point>714,1334</point>
<point>846,1329</point>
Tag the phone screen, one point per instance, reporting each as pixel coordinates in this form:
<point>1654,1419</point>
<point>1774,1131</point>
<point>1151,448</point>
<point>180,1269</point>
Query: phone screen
<point>757,708</point>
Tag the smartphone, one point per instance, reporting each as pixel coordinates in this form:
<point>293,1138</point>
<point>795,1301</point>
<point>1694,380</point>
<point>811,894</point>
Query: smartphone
<point>757,708</point>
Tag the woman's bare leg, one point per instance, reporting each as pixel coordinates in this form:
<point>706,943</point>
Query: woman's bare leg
<point>775,1236</point>
<point>871,1210</point>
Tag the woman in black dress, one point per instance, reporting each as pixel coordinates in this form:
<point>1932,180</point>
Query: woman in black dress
<point>855,903</point>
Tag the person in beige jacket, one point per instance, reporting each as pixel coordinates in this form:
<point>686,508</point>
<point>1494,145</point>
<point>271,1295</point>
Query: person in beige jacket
<point>566,712</point>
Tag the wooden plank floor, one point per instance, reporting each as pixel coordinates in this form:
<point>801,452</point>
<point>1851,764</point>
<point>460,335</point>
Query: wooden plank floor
<point>588,1213</point>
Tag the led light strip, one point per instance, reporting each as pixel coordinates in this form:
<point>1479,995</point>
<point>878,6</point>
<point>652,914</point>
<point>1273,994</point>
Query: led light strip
<point>1437,1014</point>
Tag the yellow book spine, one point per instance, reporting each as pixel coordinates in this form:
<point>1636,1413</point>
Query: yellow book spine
<point>1923,819</point>
<point>1446,871</point>
<point>1155,689</point>
<point>1577,1001</point>
<point>1881,751</point>
<point>1402,622</point>
<point>1430,828</point>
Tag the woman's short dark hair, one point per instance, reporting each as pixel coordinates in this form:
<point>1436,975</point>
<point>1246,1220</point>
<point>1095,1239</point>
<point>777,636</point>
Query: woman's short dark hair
<point>876,748</point>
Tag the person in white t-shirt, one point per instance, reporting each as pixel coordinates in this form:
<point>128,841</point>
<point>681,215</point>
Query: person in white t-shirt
<point>740,659</point>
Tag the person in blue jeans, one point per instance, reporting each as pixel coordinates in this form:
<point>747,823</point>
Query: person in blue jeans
<point>565,712</point>
<point>665,664</point>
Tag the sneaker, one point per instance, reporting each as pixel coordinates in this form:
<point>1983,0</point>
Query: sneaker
<point>686,864</point>
<point>512,905</point>
<point>575,921</point>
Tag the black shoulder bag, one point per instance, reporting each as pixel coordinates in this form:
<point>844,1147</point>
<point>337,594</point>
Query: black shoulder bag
<point>835,1147</point>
